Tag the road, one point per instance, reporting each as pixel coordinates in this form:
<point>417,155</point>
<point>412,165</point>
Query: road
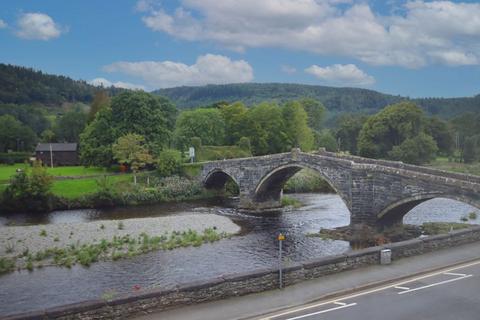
<point>452,293</point>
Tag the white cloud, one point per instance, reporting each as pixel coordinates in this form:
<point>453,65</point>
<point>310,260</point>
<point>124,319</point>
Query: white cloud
<point>208,69</point>
<point>119,84</point>
<point>3,24</point>
<point>421,33</point>
<point>37,26</point>
<point>288,69</point>
<point>341,74</point>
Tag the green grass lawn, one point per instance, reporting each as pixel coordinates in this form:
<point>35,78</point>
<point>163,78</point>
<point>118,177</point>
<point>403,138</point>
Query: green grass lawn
<point>75,188</point>
<point>6,171</point>
<point>444,164</point>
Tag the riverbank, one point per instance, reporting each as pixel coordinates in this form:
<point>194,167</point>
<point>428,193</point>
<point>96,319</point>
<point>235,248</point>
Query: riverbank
<point>28,247</point>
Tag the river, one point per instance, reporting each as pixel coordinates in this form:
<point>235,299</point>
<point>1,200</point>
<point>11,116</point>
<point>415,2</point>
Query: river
<point>254,248</point>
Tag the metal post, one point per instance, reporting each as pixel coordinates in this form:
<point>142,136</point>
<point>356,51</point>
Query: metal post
<point>281,237</point>
<point>51,156</point>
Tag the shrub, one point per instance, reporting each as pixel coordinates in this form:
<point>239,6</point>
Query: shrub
<point>169,162</point>
<point>29,190</point>
<point>472,215</point>
<point>244,144</point>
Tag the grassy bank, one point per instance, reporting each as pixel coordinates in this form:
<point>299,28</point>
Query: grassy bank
<point>444,163</point>
<point>7,171</point>
<point>76,188</point>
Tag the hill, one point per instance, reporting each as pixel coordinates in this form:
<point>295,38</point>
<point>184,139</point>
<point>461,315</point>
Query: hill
<point>20,85</point>
<point>337,100</point>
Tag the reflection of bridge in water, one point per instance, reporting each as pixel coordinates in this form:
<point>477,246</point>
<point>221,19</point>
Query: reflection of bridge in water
<point>377,192</point>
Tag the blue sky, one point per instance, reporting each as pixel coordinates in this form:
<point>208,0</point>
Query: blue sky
<point>410,48</point>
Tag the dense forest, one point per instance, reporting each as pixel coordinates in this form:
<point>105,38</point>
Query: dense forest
<point>336,100</point>
<point>20,85</point>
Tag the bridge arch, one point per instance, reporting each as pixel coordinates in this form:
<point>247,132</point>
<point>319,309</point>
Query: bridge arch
<point>394,213</point>
<point>270,186</point>
<point>217,179</point>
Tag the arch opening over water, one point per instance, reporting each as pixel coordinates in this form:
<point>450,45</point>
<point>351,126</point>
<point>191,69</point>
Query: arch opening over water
<point>221,181</point>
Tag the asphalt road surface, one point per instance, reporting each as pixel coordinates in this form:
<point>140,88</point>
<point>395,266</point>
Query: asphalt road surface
<point>450,294</point>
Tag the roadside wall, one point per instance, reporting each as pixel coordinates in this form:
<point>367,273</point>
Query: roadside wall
<point>251,282</point>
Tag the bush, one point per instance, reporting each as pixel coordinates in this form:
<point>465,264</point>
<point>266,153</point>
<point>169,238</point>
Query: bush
<point>244,144</point>
<point>14,157</point>
<point>29,190</point>
<point>169,162</point>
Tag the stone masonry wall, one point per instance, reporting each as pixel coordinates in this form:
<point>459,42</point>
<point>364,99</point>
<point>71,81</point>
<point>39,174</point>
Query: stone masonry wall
<point>251,282</point>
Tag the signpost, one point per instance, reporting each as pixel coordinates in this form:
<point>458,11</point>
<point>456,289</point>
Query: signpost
<point>281,237</point>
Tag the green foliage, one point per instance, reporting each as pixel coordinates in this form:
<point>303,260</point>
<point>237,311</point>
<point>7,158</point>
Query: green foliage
<point>316,112</point>
<point>6,265</point>
<point>169,162</point>
<point>244,144</point>
<point>266,129</point>
<point>471,149</point>
<point>434,228</point>
<point>299,134</point>
<point>348,128</point>
<point>398,132</point>
<point>33,117</point>
<point>417,150</point>
<point>234,116</point>
<point>209,153</point>
<point>14,157</point>
<point>100,101</point>
<point>326,139</point>
<point>307,180</point>
<point>196,142</point>
<point>70,125</point>
<point>206,124</point>
<point>29,190</point>
<point>472,215</point>
<point>15,136</point>
<point>131,112</point>
<point>290,202</point>
<point>130,149</point>
<point>442,134</point>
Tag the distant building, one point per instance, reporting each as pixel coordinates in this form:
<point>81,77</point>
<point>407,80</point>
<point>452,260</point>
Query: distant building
<point>62,154</point>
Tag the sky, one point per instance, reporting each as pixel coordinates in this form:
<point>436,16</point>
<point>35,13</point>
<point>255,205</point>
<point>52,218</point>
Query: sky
<point>409,48</point>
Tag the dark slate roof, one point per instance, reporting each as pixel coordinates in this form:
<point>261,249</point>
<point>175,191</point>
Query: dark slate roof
<point>56,147</point>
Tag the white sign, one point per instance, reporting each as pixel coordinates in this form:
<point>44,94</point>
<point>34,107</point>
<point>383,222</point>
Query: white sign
<point>191,152</point>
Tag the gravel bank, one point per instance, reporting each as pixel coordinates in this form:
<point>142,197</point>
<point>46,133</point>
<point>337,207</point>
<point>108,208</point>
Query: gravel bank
<point>15,240</point>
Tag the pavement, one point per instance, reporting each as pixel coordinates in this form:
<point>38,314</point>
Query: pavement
<point>450,277</point>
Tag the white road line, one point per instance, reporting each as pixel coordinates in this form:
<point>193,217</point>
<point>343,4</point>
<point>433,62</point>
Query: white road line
<point>455,274</point>
<point>362,293</point>
<point>436,284</point>
<point>401,288</point>
<point>340,303</point>
<point>323,311</point>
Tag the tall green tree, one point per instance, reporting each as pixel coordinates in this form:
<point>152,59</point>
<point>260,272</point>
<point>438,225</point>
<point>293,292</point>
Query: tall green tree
<point>130,149</point>
<point>131,112</point>
<point>299,134</point>
<point>70,125</point>
<point>266,129</point>
<point>442,134</point>
<point>206,124</point>
<point>100,100</point>
<point>15,136</point>
<point>235,116</point>
<point>326,139</point>
<point>416,150</point>
<point>348,129</point>
<point>316,112</point>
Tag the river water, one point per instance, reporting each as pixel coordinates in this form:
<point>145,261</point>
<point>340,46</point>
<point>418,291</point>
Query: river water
<point>254,248</point>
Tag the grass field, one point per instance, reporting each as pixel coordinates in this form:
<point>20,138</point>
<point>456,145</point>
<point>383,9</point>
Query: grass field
<point>75,188</point>
<point>6,171</point>
<point>444,164</point>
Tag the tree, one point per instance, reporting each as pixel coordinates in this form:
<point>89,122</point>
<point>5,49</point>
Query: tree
<point>266,129</point>
<point>169,162</point>
<point>442,134</point>
<point>234,116</point>
<point>348,129</point>
<point>100,100</point>
<point>130,112</point>
<point>207,124</point>
<point>69,126</point>
<point>389,128</point>
<point>15,136</point>
<point>471,150</point>
<point>316,112</point>
<point>130,149</point>
<point>325,139</point>
<point>417,150</point>
<point>298,132</point>
<point>29,190</point>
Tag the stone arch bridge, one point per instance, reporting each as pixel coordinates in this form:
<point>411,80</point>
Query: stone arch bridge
<point>378,193</point>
